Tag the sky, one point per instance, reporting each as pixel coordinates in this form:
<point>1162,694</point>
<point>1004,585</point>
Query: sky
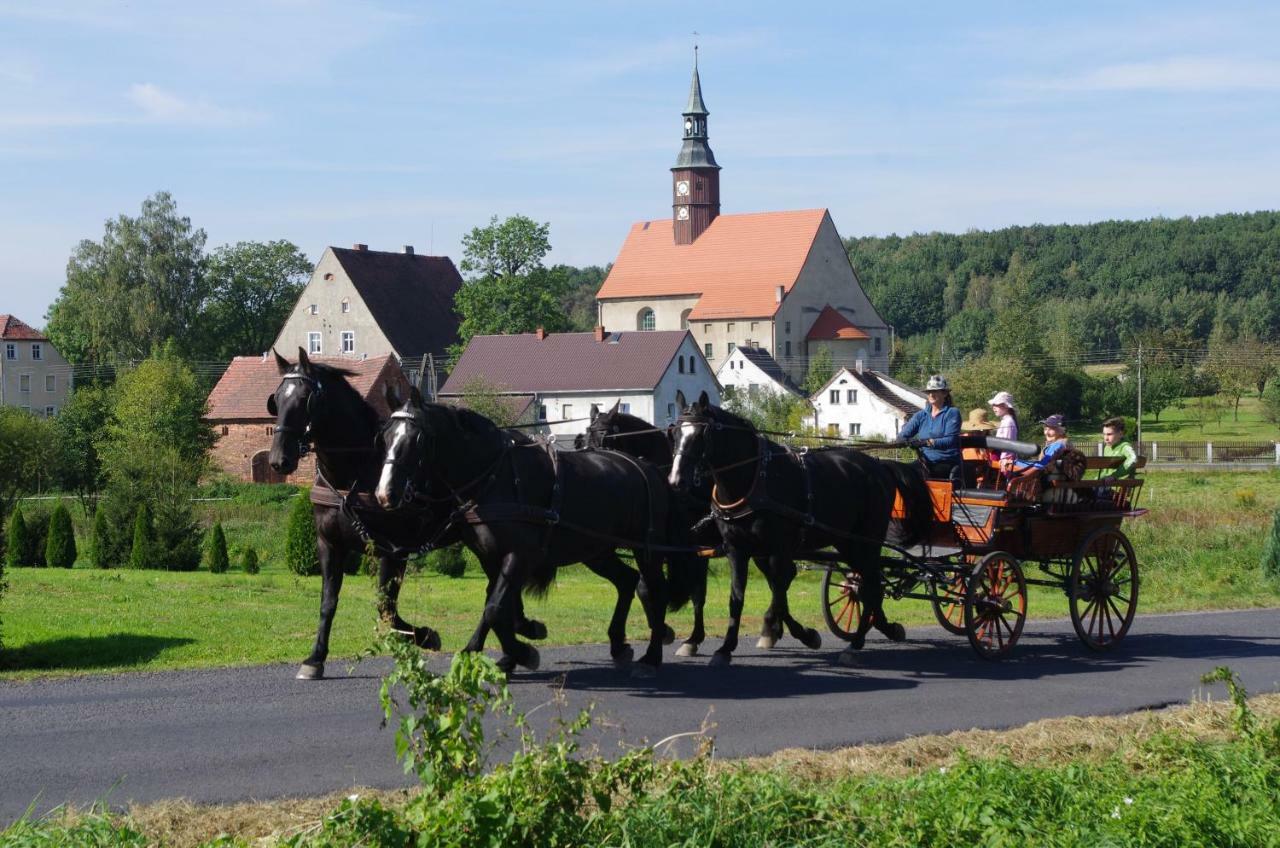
<point>330,122</point>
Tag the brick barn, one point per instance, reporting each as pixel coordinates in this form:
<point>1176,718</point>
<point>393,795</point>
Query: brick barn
<point>244,429</point>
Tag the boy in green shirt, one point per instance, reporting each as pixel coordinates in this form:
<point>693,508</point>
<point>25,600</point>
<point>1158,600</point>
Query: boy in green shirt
<point>1114,446</point>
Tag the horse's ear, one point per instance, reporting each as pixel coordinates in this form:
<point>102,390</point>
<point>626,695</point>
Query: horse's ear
<point>271,405</point>
<point>281,363</point>
<point>417,398</point>
<point>304,362</point>
<point>617,403</point>
<point>703,401</point>
<point>392,395</point>
<point>595,413</point>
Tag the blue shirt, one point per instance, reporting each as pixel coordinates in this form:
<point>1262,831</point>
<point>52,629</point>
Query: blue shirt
<point>943,428</point>
<point>1050,451</point>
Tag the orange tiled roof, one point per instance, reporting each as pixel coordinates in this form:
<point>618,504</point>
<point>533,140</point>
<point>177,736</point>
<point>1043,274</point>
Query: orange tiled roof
<point>242,392</point>
<point>735,265</point>
<point>831,325</point>
<point>12,328</point>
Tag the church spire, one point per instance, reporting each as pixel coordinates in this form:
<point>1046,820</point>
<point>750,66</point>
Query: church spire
<point>696,176</point>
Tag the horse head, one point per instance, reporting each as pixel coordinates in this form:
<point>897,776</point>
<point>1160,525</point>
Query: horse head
<point>406,443</point>
<point>603,425</point>
<point>294,405</point>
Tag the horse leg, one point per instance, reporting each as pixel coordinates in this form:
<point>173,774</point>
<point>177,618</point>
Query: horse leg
<point>771,627</point>
<point>784,574</point>
<point>624,580</point>
<point>871,593</point>
<point>738,563</point>
<point>390,579</point>
<point>331,584</point>
<point>477,640</point>
<point>698,599</point>
<point>653,598</point>
<point>499,615</point>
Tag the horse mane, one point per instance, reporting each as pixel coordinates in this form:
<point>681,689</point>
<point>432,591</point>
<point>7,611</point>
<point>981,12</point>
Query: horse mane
<point>335,378</point>
<point>724,416</point>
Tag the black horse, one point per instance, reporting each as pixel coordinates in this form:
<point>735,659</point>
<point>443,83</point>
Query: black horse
<point>775,504</point>
<point>316,408</point>
<point>614,430</point>
<point>525,509</point>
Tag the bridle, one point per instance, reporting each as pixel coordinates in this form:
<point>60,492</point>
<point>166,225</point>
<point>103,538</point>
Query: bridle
<point>708,427</point>
<point>302,434</point>
<point>421,457</point>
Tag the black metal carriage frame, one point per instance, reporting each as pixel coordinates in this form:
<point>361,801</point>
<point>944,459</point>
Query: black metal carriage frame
<point>971,570</point>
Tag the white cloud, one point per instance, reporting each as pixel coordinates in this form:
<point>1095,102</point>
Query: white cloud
<point>1178,74</point>
<point>160,106</point>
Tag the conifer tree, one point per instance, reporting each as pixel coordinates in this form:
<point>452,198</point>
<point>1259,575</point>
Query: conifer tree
<point>249,560</point>
<point>15,540</point>
<point>300,538</point>
<point>60,546</point>
<point>143,553</point>
<point>215,550</point>
<point>1271,549</point>
<point>99,542</point>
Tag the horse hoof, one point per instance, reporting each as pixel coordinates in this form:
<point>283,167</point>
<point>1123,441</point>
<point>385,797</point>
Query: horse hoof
<point>766,642</point>
<point>668,635</point>
<point>856,642</point>
<point>307,671</point>
<point>533,629</point>
<point>688,649</point>
<point>847,658</point>
<point>895,632</point>
<point>719,659</point>
<point>426,638</point>
<point>643,671</point>
<point>506,664</point>
<point>624,656</point>
<point>533,659</point>
<point>812,639</point>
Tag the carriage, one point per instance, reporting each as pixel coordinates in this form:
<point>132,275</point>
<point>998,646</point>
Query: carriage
<point>988,545</point>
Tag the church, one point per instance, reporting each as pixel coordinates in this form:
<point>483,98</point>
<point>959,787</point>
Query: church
<point>779,282</point>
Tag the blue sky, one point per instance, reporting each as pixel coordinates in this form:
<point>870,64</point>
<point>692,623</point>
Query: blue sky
<point>335,121</point>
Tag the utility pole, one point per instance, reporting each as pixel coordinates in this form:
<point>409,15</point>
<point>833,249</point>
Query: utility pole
<point>1139,396</point>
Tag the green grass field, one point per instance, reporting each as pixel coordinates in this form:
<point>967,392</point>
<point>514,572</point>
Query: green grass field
<point>1199,549</point>
<point>1181,422</point>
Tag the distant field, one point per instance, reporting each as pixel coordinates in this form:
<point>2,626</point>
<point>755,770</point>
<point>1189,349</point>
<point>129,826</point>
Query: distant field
<point>1179,422</point>
<point>1199,549</point>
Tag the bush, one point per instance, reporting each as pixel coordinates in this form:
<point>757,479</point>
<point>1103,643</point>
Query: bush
<point>143,552</point>
<point>60,547</point>
<point>15,538</point>
<point>448,561</point>
<point>100,542</point>
<point>1271,549</point>
<point>249,560</point>
<point>300,539</point>
<point>215,550</point>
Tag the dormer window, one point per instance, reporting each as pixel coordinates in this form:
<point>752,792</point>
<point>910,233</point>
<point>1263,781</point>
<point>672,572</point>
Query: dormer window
<point>314,309</point>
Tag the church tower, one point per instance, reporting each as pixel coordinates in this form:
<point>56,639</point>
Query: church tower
<point>695,179</point>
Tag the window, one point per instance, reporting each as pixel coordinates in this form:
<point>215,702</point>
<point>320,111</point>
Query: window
<point>706,350</point>
<point>852,395</point>
<point>855,429</point>
<point>50,411</point>
<point>728,328</point>
<point>755,325</point>
<point>542,412</point>
<point>313,309</point>
<point>684,319</point>
<point>24,383</point>
<point>329,276</point>
<point>833,429</point>
<point>50,383</point>
<point>566,412</point>
<point>646,320</point>
<point>10,351</point>
<point>348,341</point>
<point>691,364</point>
<point>834,397</point>
<point>226,431</point>
<point>271,429</point>
<point>624,408</point>
<point>37,352</point>
<point>706,328</point>
<point>313,342</point>
<point>681,358</point>
<point>788,349</point>
<point>787,327</point>
<point>877,344</point>
<point>346,305</point>
<point>671,412</point>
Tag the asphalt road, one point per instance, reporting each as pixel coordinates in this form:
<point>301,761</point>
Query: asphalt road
<point>256,733</point>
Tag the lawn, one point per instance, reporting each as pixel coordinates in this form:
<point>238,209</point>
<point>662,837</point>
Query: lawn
<point>1180,422</point>
<point>1199,549</point>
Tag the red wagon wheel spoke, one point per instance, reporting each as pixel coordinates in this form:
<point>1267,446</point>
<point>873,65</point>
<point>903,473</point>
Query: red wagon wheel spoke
<point>842,608</point>
<point>995,605</point>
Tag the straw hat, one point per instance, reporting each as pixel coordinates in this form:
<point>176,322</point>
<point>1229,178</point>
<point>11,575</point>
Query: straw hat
<point>978,420</point>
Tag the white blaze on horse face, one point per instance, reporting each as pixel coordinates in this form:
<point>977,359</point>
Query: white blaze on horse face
<point>383,492</point>
<point>686,433</point>
<point>290,388</point>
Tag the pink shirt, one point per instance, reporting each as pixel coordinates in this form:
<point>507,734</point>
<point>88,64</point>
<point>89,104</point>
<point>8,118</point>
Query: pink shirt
<point>1008,429</point>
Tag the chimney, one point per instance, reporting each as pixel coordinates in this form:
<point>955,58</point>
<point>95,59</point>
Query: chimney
<point>600,332</point>
<point>408,250</point>
<point>858,366</point>
<point>358,246</point>
<point>540,334</point>
<point>779,293</point>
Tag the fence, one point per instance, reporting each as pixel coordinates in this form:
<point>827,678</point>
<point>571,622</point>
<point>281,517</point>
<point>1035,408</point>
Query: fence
<point>1208,453</point>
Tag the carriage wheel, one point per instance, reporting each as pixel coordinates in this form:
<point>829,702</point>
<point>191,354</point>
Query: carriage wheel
<point>948,601</point>
<point>1104,589</point>
<point>841,606</point>
<point>995,605</point>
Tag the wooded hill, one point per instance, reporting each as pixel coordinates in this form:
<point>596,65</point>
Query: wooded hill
<point>1095,286</point>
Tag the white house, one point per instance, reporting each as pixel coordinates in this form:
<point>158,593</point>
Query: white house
<point>562,377</point>
<point>749,370</point>
<point>864,404</point>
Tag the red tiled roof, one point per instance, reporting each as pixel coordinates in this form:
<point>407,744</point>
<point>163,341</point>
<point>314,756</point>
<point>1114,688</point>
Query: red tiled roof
<point>567,362</point>
<point>243,390</point>
<point>831,325</point>
<point>12,328</point>
<point>736,265</point>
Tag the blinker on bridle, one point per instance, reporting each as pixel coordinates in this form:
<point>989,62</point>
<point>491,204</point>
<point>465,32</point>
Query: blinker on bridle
<point>303,435</point>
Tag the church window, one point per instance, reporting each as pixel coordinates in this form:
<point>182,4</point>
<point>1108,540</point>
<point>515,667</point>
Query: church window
<point>681,360</point>
<point>646,321</point>
<point>690,364</point>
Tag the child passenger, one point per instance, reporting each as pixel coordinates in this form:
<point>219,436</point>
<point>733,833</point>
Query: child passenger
<point>1114,446</point>
<point>1055,442</point>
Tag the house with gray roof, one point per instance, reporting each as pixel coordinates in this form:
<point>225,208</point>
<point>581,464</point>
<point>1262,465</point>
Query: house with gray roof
<point>564,377</point>
<point>361,303</point>
<point>751,370</point>
<point>862,404</point>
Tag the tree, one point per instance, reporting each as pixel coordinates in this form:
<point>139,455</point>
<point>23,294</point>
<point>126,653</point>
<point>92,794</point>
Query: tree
<point>300,538</point>
<point>579,301</point>
<point>486,398</point>
<point>215,550</point>
<point>78,429</point>
<point>60,547</point>
<point>1271,402</point>
<point>252,286</point>
<point>100,550</point>
<point>821,367</point>
<point>26,455</point>
<point>16,541</point>
<point>142,554</point>
<point>249,560</point>
<point>142,286</point>
<point>512,248</point>
<point>1271,549</point>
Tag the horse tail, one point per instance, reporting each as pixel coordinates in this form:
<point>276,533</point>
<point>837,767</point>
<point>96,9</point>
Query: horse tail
<point>909,481</point>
